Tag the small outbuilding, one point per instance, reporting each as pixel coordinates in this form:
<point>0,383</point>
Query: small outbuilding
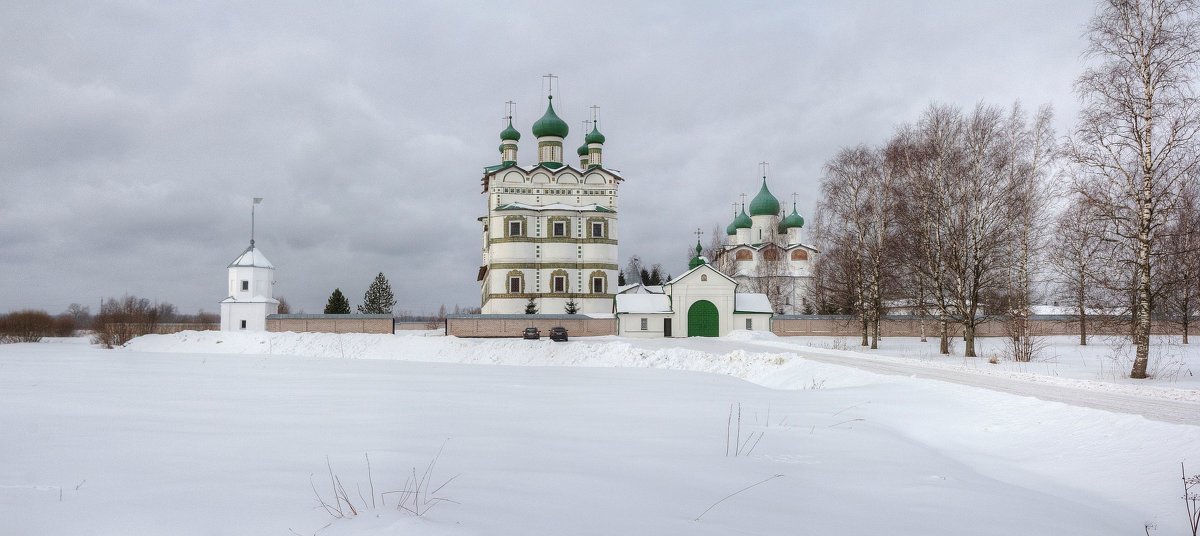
<point>251,292</point>
<point>701,302</point>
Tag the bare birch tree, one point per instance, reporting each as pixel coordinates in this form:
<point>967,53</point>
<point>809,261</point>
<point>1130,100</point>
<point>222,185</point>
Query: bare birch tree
<point>1032,155</point>
<point>1077,247</point>
<point>1136,130</point>
<point>860,202</point>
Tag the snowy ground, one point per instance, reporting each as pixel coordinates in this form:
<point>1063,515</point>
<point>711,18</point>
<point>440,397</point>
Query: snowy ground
<point>589,437</point>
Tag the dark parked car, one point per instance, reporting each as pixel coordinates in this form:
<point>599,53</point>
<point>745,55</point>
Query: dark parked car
<point>558,333</point>
<point>532,334</point>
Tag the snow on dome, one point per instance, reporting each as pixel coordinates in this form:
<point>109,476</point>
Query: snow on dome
<point>744,302</point>
<point>252,257</point>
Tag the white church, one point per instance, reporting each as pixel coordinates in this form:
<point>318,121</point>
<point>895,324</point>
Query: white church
<point>765,253</point>
<point>550,233</point>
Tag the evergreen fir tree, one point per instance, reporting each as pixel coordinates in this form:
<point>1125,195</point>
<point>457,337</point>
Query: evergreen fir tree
<point>572,306</point>
<point>531,308</point>
<point>621,278</point>
<point>338,304</point>
<point>378,300</point>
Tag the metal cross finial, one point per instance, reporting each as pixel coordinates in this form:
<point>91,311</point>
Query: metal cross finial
<point>763,166</point>
<point>508,109</point>
<point>735,207</point>
<point>743,201</point>
<point>550,81</point>
<point>257,200</point>
<point>596,115</point>
<point>698,233</point>
<point>795,196</point>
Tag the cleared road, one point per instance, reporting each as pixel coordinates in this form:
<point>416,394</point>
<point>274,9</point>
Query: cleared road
<point>1158,409</point>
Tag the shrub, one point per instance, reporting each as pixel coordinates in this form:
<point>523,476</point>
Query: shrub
<point>121,320</point>
<point>26,326</point>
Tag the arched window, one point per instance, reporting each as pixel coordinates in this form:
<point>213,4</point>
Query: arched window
<point>799,255</point>
<point>744,255</point>
<point>770,254</point>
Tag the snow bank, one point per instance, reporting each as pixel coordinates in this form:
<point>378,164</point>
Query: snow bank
<point>759,367</point>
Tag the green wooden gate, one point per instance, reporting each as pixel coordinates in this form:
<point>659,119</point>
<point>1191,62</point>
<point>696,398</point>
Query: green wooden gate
<point>703,320</point>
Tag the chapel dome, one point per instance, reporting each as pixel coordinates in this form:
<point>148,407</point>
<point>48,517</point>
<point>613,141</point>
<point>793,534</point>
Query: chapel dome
<point>510,133</point>
<point>793,220</point>
<point>742,221</point>
<point>764,204</point>
<point>582,150</point>
<point>594,136</point>
<point>550,124</point>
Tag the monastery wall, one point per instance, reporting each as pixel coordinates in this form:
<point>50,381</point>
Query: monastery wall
<point>331,323</point>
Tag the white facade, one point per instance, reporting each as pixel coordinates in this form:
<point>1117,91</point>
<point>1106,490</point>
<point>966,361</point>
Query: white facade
<point>703,290</point>
<point>251,287</point>
<point>550,232</point>
<point>765,253</point>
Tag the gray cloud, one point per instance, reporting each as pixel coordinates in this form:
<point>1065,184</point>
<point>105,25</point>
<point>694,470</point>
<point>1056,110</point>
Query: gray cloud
<point>133,135</point>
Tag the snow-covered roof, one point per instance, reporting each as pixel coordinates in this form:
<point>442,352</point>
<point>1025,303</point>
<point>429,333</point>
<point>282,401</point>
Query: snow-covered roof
<point>700,267</point>
<point>593,207</point>
<point>252,257</point>
<point>638,288</point>
<point>747,302</point>
<point>643,303</point>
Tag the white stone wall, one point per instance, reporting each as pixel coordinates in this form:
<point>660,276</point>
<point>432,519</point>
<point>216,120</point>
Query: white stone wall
<point>693,288</point>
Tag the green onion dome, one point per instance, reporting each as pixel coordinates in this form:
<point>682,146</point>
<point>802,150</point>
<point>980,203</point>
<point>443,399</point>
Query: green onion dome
<point>550,124</point>
<point>732,228</point>
<point>793,220</point>
<point>510,133</point>
<point>582,150</point>
<point>764,204</point>
<point>742,221</point>
<point>594,136</point>
<point>697,260</point>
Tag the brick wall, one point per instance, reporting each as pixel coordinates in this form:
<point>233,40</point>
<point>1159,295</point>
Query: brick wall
<point>514,325</point>
<point>905,326</point>
<point>330,323</point>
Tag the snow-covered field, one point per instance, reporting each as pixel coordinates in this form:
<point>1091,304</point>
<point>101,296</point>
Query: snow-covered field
<point>220,433</point>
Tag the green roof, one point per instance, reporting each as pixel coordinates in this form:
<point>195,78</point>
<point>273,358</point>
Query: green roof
<point>594,136</point>
<point>764,204</point>
<point>510,133</point>
<point>550,124</point>
<point>742,221</point>
<point>582,150</point>
<point>792,220</point>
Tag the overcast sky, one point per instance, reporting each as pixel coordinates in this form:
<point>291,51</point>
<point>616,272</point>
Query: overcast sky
<point>133,135</point>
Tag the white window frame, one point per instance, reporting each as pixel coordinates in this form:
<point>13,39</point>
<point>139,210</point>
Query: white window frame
<point>645,324</point>
<point>597,225</point>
